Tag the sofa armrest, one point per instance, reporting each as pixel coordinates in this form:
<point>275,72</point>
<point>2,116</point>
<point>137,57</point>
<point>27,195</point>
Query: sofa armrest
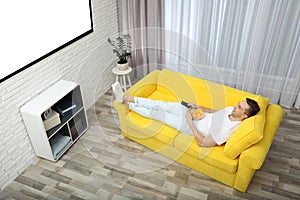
<point>146,86</point>
<point>122,108</point>
<point>143,88</point>
<point>254,156</point>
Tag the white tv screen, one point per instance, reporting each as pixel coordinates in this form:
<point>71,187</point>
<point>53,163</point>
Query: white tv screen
<point>31,30</point>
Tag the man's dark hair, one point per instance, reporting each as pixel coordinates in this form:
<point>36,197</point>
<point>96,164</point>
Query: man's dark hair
<point>253,107</point>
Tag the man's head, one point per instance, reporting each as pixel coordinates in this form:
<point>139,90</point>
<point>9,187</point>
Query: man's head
<point>253,107</point>
<point>245,109</point>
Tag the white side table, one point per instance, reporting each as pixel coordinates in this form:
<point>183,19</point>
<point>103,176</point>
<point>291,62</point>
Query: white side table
<point>122,76</point>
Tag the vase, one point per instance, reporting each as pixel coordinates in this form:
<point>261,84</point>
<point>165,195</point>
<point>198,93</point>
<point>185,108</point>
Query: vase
<point>122,66</point>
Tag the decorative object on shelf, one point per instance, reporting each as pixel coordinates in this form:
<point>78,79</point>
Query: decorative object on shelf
<point>52,120</point>
<point>121,47</point>
<point>58,142</point>
<point>65,108</point>
<point>46,114</point>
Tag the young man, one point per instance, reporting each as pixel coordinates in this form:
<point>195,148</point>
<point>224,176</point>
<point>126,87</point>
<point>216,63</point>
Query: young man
<point>214,128</point>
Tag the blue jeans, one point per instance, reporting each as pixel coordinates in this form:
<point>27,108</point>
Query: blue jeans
<point>169,113</point>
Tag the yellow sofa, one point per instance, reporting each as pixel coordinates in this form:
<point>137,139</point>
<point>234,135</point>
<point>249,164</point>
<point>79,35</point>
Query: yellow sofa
<point>233,163</point>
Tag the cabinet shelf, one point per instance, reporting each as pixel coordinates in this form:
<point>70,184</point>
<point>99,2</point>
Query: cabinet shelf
<point>64,120</point>
<point>64,102</point>
<point>60,141</point>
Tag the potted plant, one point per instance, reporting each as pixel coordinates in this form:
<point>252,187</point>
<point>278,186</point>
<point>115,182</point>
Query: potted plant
<point>121,47</point>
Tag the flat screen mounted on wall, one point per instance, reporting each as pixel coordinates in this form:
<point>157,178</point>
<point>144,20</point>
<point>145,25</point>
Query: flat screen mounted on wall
<point>32,30</point>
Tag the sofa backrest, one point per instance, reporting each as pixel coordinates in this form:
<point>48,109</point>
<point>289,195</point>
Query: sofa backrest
<point>197,90</point>
<point>146,86</point>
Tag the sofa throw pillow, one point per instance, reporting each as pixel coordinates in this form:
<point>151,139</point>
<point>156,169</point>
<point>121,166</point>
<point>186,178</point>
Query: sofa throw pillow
<point>249,132</point>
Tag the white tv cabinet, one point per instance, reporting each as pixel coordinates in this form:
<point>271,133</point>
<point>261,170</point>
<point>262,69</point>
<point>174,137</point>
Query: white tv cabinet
<point>53,143</point>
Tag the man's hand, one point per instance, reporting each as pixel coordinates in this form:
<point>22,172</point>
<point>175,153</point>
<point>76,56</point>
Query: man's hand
<point>193,106</point>
<point>201,140</point>
<point>188,115</point>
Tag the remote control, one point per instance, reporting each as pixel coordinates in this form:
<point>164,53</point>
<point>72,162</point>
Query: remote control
<point>186,104</point>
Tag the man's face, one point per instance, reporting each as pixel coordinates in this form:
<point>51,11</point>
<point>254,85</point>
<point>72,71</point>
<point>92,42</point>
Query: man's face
<point>239,110</point>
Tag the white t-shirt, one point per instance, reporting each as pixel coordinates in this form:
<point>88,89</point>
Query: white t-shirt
<point>218,125</point>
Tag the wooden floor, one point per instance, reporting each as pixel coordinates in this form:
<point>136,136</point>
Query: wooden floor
<point>105,165</point>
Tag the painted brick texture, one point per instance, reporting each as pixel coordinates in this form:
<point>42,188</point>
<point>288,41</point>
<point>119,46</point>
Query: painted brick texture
<point>88,62</point>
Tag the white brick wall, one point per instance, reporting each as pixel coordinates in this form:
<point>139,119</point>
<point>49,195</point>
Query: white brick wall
<point>87,61</point>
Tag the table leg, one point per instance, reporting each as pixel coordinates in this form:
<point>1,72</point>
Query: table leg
<point>129,82</point>
<point>124,82</point>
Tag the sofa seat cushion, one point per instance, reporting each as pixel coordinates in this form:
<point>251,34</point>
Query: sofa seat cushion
<point>214,156</point>
<point>152,128</point>
<point>145,128</point>
<point>158,95</point>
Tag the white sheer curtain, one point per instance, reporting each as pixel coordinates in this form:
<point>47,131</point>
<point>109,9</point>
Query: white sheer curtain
<point>251,45</point>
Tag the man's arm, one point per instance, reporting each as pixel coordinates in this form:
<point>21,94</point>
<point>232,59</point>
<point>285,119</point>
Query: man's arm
<point>201,140</point>
<point>207,110</point>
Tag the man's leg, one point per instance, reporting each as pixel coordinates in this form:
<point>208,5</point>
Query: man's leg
<point>170,113</point>
<point>177,122</point>
<point>168,107</point>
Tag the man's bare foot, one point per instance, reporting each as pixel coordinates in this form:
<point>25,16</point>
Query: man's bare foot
<point>128,99</point>
<point>118,91</point>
